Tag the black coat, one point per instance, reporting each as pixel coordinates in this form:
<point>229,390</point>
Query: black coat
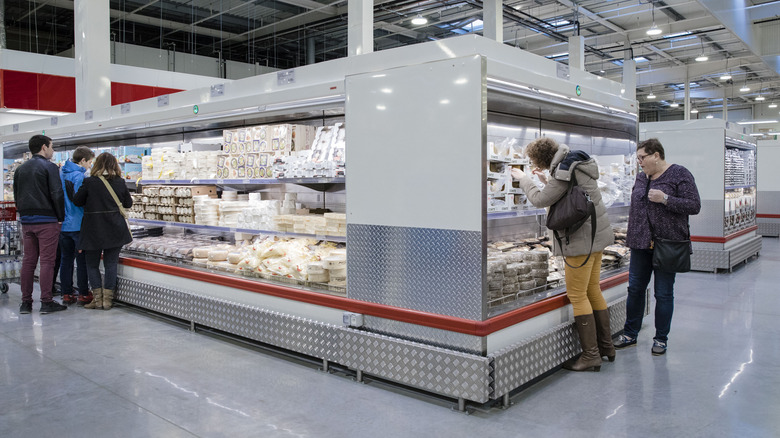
<point>38,189</point>
<point>103,225</point>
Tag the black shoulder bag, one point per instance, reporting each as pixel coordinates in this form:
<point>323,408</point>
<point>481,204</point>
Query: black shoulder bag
<point>669,255</point>
<point>569,213</point>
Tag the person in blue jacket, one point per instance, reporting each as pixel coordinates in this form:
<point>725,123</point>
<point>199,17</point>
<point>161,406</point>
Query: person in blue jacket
<point>72,175</point>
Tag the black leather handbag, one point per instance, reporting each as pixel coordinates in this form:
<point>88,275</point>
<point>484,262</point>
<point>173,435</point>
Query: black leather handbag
<point>669,255</point>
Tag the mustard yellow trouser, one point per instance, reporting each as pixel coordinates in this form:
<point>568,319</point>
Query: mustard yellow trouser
<point>582,284</point>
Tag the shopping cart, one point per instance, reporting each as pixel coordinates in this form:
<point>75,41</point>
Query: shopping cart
<point>10,245</point>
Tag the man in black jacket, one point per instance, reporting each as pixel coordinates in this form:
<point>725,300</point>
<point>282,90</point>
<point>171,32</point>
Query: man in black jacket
<point>40,203</point>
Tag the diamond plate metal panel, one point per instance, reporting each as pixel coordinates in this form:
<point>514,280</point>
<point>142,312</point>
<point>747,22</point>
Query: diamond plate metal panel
<point>154,297</point>
<point>430,270</point>
<point>522,362</point>
<point>426,335</point>
<point>437,370</point>
<point>768,229</point>
<point>709,260</point>
<point>709,221</point>
<point>293,333</point>
<point>744,251</point>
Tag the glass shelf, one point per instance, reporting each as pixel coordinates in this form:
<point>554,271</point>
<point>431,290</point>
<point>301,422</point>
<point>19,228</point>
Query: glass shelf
<point>236,230</point>
<point>339,180</point>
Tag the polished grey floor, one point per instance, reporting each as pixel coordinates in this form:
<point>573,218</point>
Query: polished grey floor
<point>121,373</point>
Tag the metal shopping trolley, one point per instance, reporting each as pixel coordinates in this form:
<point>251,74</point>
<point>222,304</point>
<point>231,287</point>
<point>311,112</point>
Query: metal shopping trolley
<point>10,245</point>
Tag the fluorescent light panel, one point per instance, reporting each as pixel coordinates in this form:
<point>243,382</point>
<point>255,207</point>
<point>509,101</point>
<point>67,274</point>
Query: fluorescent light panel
<point>756,122</point>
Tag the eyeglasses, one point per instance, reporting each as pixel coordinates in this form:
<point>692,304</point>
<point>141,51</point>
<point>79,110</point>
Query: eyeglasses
<point>641,158</point>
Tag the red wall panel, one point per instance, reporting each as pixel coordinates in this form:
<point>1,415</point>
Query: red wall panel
<point>56,93</point>
<point>123,93</point>
<point>37,91</point>
<point>20,90</point>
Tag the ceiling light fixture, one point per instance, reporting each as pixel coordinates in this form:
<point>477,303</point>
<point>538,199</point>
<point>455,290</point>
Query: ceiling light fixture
<point>654,30</point>
<point>756,122</point>
<point>694,111</point>
<point>702,57</point>
<point>651,95</point>
<point>674,105</point>
<point>772,105</point>
<point>710,116</point>
<point>760,98</point>
<point>744,89</point>
<point>419,20</point>
<point>726,76</point>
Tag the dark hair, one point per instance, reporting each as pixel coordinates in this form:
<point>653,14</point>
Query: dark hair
<point>37,142</point>
<point>651,146</point>
<point>541,152</point>
<point>82,153</point>
<point>106,165</point>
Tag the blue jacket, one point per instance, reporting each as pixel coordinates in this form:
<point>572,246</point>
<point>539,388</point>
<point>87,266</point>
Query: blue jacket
<point>74,174</point>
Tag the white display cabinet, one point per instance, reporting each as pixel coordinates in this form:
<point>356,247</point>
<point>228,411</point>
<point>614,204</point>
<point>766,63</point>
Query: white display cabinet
<point>768,201</point>
<point>723,161</point>
<point>418,122</point>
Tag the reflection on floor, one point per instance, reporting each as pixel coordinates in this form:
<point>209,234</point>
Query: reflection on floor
<point>123,373</point>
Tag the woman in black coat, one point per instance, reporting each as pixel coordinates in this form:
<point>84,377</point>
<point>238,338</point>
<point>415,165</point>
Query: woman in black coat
<point>104,229</point>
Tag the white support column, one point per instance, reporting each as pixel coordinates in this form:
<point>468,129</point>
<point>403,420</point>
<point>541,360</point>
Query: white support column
<point>93,54</point>
<point>493,17</point>
<point>629,79</point>
<point>577,52</point>
<point>360,27</point>
<point>725,106</point>
<point>687,106</point>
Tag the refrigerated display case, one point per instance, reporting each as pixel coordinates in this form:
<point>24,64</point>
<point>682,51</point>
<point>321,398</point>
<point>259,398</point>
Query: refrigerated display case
<point>723,161</point>
<point>768,199</point>
<point>421,225</point>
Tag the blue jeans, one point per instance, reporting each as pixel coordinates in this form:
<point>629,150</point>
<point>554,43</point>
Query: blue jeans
<point>69,241</point>
<point>639,272</point>
<point>110,262</point>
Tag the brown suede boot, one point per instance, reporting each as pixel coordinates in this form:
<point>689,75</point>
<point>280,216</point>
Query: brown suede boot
<point>97,299</point>
<point>108,299</point>
<point>590,358</point>
<point>604,334</point>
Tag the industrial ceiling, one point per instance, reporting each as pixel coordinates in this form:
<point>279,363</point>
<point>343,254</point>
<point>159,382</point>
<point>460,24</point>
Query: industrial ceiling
<point>289,33</point>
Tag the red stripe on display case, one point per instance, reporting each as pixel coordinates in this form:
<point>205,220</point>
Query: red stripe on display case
<point>711,239</point>
<point>443,322</point>
<point>768,216</point>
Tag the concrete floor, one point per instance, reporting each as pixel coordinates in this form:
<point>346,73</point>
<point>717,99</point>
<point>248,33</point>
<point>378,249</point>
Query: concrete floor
<point>122,373</point>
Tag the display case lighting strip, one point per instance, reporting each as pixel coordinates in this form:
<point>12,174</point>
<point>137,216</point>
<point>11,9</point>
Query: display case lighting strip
<point>526,91</point>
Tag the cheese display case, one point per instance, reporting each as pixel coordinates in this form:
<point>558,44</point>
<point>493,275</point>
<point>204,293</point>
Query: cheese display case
<point>723,160</point>
<point>423,245</point>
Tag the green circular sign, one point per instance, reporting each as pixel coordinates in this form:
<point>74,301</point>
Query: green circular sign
<point>578,90</point>
<point>195,109</point>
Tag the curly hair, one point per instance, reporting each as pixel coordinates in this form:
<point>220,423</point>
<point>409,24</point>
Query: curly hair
<point>106,165</point>
<point>541,152</point>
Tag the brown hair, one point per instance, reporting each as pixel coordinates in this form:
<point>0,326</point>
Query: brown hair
<point>106,165</point>
<point>541,152</point>
<point>651,146</point>
<point>82,153</point>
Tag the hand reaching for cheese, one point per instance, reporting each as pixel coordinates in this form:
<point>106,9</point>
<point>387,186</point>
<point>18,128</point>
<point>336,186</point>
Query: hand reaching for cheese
<point>518,174</point>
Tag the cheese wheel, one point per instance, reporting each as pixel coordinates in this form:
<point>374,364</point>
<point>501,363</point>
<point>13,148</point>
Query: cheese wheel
<point>338,272</point>
<point>234,257</point>
<point>335,262</point>
<point>316,268</point>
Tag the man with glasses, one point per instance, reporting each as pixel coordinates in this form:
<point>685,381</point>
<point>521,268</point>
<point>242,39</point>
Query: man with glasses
<point>41,206</point>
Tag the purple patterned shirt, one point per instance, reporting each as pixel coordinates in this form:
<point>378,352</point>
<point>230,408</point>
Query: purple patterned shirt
<point>669,221</point>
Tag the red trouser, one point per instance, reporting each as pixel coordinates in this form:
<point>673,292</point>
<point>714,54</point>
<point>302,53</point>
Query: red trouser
<point>39,240</point>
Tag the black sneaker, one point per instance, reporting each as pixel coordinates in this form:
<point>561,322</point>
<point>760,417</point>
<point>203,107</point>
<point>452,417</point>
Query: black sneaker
<point>624,341</point>
<point>52,306</point>
<point>25,308</point>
